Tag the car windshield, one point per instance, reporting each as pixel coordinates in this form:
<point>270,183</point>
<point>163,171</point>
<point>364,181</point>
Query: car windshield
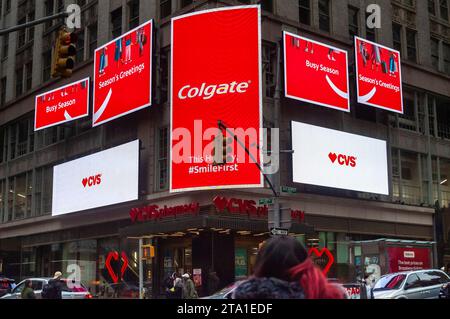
<point>390,282</point>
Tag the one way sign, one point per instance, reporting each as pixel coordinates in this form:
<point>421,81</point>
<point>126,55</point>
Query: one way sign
<point>279,232</point>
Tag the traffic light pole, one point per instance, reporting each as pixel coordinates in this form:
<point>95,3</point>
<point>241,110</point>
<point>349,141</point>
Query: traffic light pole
<point>33,23</point>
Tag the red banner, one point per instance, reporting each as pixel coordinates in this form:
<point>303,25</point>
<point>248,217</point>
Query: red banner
<point>216,76</point>
<point>379,76</point>
<point>123,75</point>
<point>62,105</point>
<point>406,259</point>
<point>315,72</point>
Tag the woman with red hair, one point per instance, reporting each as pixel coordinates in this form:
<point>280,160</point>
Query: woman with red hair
<point>284,271</point>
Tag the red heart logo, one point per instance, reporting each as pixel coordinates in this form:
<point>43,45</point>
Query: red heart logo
<point>84,181</point>
<point>319,254</point>
<point>332,157</point>
<point>115,255</point>
<point>220,203</point>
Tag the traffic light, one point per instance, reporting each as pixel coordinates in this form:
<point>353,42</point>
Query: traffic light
<point>223,150</point>
<point>64,54</point>
<point>148,252</point>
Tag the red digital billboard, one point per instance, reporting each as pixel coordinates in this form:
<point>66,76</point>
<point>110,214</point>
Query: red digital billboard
<point>123,75</point>
<point>216,77</point>
<point>62,105</point>
<point>379,76</point>
<point>315,72</point>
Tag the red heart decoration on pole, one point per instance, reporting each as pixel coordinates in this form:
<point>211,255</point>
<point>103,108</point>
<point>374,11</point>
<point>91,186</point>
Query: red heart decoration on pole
<point>319,254</point>
<point>112,255</point>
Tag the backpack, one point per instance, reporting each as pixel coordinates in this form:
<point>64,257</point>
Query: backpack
<point>47,291</point>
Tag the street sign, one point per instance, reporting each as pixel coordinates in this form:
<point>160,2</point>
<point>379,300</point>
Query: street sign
<point>266,201</point>
<point>289,190</point>
<point>279,232</point>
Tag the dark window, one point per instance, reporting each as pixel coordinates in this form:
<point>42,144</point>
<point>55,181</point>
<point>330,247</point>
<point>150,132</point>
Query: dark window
<point>49,7</point>
<point>324,15</point>
<point>19,81</point>
<point>163,142</point>
<point>116,22</point>
<point>30,17</point>
<point>92,29</point>
<point>165,8</point>
<point>411,45</point>
<point>29,75</point>
<point>164,75</point>
<point>2,92</point>
<point>269,66</point>
<point>431,278</point>
<point>435,53</point>
<point>133,9</point>
<point>8,5</point>
<point>412,282</point>
<point>267,5</point>
<point>5,46</point>
<point>397,36</point>
<point>432,7</point>
<point>46,65</point>
<point>80,46</point>
<point>185,3</point>
<point>21,37</point>
<point>370,32</point>
<point>447,58</point>
<point>353,22</point>
<point>305,11</point>
<point>443,4</point>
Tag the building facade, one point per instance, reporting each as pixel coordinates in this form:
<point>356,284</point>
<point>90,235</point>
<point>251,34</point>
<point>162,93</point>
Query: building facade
<point>33,243</point>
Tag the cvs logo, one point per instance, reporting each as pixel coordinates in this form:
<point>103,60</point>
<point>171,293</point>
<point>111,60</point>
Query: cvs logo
<point>343,160</point>
<point>92,180</point>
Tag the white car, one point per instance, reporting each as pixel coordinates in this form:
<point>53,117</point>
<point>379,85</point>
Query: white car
<point>39,283</point>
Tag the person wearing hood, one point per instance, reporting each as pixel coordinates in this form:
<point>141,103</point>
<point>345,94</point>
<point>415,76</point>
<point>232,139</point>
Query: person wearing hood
<point>283,270</point>
<point>189,291</point>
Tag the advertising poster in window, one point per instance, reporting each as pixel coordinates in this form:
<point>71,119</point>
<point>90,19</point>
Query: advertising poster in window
<point>408,259</point>
<point>64,104</point>
<point>330,158</point>
<point>379,76</point>
<point>240,263</point>
<point>315,72</point>
<point>123,75</point>
<point>216,77</point>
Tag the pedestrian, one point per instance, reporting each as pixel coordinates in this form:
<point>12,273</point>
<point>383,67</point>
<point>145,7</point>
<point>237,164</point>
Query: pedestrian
<point>189,291</point>
<point>168,285</point>
<point>28,292</point>
<point>283,270</point>
<point>53,290</point>
<point>213,283</point>
<point>177,290</point>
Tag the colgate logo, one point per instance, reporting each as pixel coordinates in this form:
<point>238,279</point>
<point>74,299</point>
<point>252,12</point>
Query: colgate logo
<point>343,160</point>
<point>92,181</point>
<point>207,92</point>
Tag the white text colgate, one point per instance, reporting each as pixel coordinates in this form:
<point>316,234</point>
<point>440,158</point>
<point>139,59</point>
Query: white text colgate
<point>207,92</point>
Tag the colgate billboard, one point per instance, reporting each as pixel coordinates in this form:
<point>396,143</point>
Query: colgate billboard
<point>216,77</point>
<point>62,105</point>
<point>123,75</point>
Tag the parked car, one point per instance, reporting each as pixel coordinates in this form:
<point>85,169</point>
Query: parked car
<point>6,285</point>
<point>421,284</point>
<point>39,283</point>
<point>225,293</point>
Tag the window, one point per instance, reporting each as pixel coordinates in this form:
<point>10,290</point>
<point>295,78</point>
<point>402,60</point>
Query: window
<point>397,36</point>
<point>432,7</point>
<point>3,144</point>
<point>92,34</point>
<point>49,5</point>
<point>413,281</point>
<point>46,65</point>
<point>164,64</point>
<point>353,22</point>
<point>21,37</point>
<point>28,75</point>
<point>163,141</point>
<point>324,15</point>
<point>19,81</point>
<point>443,6</point>
<point>447,58</point>
<point>431,278</point>
<point>185,3</point>
<point>80,46</point>
<point>411,45</point>
<point>435,53</point>
<point>30,31</point>
<point>5,46</point>
<point>165,8</point>
<point>269,66</point>
<point>8,6</point>
<point>305,11</point>
<point>2,96</point>
<point>370,32</point>
<point>133,9</point>
<point>116,22</point>
<point>267,5</point>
